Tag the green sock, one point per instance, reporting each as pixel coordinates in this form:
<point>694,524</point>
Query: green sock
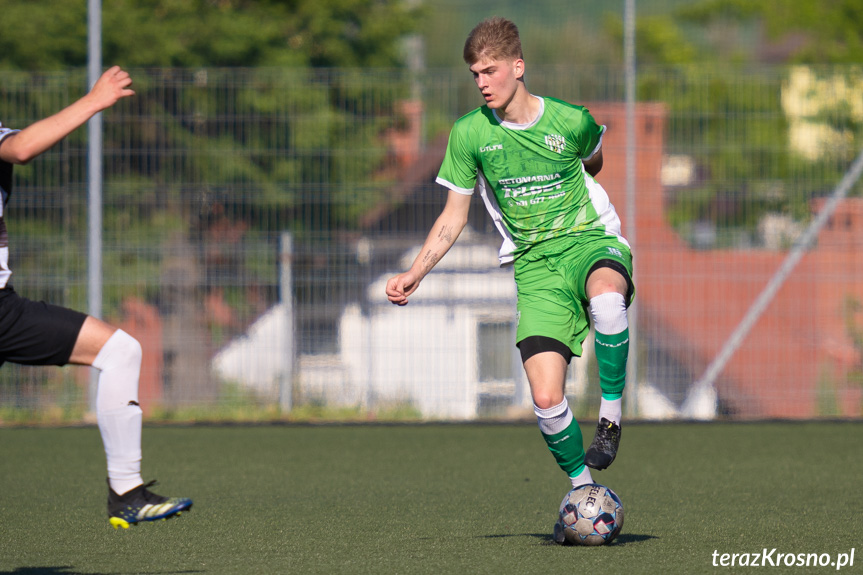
<point>611,354</point>
<point>567,448</point>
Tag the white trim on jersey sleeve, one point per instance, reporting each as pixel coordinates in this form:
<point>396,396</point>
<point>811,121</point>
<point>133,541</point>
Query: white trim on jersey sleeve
<point>598,145</point>
<point>453,187</point>
<point>6,131</point>
<point>5,274</point>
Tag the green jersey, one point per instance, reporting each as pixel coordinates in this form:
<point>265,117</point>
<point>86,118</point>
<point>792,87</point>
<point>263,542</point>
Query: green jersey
<point>531,176</point>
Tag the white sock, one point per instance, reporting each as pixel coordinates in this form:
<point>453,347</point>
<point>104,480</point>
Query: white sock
<point>117,410</point>
<point>608,311</point>
<point>611,409</point>
<point>582,478</point>
<point>121,435</point>
<point>553,419</point>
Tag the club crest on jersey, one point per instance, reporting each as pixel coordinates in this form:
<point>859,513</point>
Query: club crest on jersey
<point>555,143</point>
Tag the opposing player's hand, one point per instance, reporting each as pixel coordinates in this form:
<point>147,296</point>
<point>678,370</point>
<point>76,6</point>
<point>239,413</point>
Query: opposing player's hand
<point>110,87</point>
<point>401,286</point>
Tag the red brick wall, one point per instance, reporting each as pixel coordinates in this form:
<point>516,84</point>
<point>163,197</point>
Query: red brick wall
<point>698,298</point>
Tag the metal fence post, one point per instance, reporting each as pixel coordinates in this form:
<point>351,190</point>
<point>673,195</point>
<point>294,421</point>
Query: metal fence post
<point>286,297</point>
<point>629,64</point>
<point>94,194</point>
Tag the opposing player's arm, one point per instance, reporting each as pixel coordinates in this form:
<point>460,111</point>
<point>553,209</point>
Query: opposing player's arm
<point>440,239</point>
<point>23,146</point>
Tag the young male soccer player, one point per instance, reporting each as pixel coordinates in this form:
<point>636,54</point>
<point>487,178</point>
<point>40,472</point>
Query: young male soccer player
<point>534,160</point>
<point>36,333</point>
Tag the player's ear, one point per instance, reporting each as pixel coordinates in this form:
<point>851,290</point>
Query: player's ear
<point>518,68</point>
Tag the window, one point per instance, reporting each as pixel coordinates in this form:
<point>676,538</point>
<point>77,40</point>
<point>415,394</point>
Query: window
<point>495,342</point>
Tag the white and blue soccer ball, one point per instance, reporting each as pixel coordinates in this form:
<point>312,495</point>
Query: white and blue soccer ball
<point>590,514</point>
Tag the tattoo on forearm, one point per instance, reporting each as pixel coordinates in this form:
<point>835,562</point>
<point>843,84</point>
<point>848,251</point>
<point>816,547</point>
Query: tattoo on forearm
<point>431,257</point>
<point>445,234</point>
<point>429,260</point>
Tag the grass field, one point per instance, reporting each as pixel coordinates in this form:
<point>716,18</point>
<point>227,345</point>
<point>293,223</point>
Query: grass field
<point>431,499</point>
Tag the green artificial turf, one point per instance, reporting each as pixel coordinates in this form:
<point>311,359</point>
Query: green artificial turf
<point>431,499</point>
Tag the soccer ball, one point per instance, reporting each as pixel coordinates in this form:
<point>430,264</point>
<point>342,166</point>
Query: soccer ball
<point>589,515</point>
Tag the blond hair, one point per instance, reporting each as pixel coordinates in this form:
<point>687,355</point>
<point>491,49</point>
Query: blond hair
<point>493,39</point>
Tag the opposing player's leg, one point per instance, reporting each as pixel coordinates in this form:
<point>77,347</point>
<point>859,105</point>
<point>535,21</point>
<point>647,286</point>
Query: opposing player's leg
<point>545,362</point>
<point>141,504</point>
<point>118,356</point>
<point>607,289</point>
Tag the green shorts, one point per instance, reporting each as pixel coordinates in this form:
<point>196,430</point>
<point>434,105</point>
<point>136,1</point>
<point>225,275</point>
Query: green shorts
<point>552,300</point>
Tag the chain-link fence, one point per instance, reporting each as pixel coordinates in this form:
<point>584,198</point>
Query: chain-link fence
<point>251,218</point>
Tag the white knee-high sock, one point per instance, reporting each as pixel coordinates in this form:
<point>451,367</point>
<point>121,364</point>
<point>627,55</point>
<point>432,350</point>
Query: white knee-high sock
<point>117,410</point>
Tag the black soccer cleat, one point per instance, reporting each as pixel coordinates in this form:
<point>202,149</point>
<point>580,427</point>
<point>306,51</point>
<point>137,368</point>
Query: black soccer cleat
<point>603,449</point>
<point>140,504</point>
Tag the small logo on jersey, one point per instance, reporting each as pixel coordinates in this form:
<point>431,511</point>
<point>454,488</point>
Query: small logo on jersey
<point>615,252</point>
<point>555,143</point>
<point>485,149</point>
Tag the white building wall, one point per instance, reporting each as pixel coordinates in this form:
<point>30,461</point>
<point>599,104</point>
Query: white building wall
<point>425,354</point>
<point>395,352</point>
<point>258,359</point>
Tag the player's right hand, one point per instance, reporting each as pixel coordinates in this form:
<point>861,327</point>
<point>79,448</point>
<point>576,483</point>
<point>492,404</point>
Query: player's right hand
<point>113,85</point>
<point>400,287</point>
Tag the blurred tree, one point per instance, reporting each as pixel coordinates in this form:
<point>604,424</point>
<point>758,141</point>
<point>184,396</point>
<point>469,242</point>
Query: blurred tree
<point>706,60</point>
<point>800,31</point>
<point>52,35</point>
<point>660,40</point>
<point>234,119</point>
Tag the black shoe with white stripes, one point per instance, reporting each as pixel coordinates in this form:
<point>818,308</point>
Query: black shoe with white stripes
<point>603,449</point>
<point>141,504</point>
